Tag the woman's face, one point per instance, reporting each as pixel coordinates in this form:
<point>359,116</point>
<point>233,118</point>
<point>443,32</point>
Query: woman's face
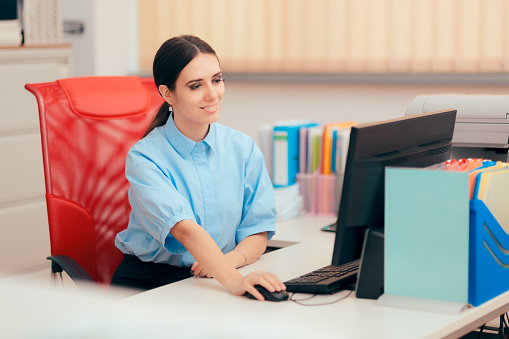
<point>197,97</point>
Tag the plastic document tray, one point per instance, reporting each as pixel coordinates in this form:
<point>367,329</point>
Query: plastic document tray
<point>439,244</point>
<point>488,255</point>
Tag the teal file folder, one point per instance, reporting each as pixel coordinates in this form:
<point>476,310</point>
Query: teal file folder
<point>427,234</point>
<point>285,162</point>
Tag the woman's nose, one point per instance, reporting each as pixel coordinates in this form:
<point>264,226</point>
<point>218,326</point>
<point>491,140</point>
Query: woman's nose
<point>210,92</point>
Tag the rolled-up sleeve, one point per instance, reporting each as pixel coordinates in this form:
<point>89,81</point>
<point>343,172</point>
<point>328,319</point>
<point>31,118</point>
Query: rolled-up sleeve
<point>156,204</point>
<point>259,211</point>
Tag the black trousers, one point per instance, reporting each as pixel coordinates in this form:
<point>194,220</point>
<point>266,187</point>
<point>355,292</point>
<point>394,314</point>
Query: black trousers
<point>134,273</point>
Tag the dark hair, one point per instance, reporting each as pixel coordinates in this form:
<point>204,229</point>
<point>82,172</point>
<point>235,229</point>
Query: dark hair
<point>173,55</point>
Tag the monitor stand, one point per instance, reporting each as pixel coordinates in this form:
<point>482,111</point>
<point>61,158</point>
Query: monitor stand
<point>370,280</point>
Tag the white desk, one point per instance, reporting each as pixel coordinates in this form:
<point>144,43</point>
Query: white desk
<point>193,300</point>
<point>202,308</point>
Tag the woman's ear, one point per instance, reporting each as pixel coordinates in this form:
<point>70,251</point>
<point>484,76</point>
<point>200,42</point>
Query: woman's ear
<point>166,94</point>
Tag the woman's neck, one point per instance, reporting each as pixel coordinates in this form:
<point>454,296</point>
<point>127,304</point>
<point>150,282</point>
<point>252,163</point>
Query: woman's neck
<point>195,132</point>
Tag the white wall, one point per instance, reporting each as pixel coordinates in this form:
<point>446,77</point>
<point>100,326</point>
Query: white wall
<point>109,43</point>
<point>247,106</point>
<point>83,45</point>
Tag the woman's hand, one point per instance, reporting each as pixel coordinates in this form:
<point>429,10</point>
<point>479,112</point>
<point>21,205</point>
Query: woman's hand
<point>207,254</point>
<point>246,284</point>
<point>199,271</point>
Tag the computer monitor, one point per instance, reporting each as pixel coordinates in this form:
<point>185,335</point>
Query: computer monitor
<point>412,141</point>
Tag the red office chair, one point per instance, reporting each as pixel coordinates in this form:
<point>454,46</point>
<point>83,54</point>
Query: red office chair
<point>87,126</point>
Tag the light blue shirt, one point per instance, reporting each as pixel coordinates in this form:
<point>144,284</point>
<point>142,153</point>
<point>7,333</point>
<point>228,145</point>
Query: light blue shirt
<point>221,183</point>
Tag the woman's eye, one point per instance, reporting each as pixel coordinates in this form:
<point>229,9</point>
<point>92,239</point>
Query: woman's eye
<point>218,80</point>
<point>195,86</point>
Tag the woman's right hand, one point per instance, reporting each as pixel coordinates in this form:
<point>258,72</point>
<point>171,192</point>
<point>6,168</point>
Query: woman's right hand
<point>246,284</point>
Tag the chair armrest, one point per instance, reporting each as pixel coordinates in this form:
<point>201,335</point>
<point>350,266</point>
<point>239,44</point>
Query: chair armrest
<point>64,263</point>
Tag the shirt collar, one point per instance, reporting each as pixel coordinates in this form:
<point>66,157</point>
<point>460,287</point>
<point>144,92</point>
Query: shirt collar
<point>182,144</point>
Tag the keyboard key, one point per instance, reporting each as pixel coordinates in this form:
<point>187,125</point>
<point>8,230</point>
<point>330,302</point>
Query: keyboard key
<point>327,279</point>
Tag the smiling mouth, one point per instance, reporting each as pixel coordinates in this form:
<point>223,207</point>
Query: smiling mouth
<point>210,108</point>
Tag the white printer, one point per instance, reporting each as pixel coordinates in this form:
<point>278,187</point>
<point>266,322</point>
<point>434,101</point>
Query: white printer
<point>482,122</point>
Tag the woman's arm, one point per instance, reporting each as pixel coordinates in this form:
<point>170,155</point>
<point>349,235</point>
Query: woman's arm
<point>203,248</point>
<point>248,250</point>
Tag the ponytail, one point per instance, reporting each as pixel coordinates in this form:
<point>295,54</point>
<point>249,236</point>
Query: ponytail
<point>160,118</point>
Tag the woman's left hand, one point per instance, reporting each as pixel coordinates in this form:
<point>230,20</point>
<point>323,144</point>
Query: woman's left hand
<point>199,271</point>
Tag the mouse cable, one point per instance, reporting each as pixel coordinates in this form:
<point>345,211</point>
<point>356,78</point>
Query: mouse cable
<point>299,301</point>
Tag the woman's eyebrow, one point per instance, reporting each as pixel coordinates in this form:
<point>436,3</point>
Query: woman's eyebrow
<point>197,80</point>
<point>191,81</point>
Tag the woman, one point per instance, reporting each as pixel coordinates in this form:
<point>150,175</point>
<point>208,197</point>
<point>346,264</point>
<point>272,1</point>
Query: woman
<point>202,202</point>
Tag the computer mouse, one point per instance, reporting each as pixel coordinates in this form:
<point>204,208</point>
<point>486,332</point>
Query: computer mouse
<point>269,296</point>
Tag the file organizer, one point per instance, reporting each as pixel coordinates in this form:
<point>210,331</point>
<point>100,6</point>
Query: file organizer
<point>308,191</point>
<point>320,193</point>
<point>320,162</point>
<point>439,244</point>
<point>326,198</point>
<point>489,255</point>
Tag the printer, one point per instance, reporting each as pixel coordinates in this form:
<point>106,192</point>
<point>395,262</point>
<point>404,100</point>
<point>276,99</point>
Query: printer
<point>482,122</point>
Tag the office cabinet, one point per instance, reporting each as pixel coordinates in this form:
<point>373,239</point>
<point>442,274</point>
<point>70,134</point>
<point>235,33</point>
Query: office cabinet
<point>24,236</point>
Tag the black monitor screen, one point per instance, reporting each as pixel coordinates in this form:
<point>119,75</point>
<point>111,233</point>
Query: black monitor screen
<point>413,141</point>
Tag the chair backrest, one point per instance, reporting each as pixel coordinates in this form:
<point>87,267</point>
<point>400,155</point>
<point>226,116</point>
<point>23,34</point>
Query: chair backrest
<point>87,127</point>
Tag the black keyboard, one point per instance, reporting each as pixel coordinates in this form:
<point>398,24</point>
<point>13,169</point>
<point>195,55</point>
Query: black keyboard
<point>325,280</point>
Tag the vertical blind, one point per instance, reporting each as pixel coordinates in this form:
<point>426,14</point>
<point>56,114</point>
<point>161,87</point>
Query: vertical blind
<point>336,36</point>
